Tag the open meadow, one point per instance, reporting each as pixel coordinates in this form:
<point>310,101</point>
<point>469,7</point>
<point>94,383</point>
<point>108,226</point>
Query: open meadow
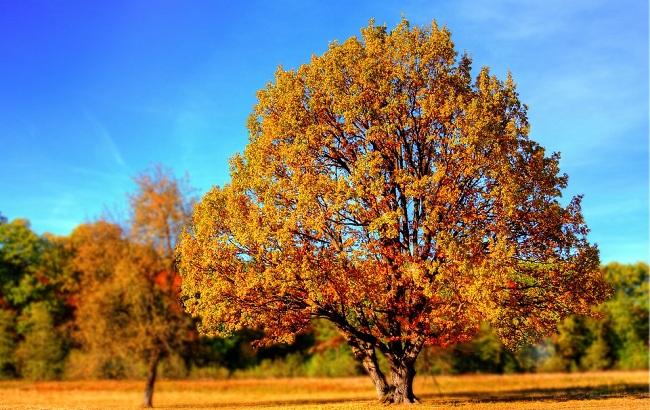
<point>610,390</point>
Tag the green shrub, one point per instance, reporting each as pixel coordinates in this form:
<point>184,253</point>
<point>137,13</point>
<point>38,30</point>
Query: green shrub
<point>633,355</point>
<point>41,353</point>
<point>337,362</point>
<point>292,365</point>
<point>7,344</point>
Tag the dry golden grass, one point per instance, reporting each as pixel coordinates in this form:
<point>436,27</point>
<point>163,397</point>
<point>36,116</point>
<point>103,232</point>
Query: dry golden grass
<point>603,390</point>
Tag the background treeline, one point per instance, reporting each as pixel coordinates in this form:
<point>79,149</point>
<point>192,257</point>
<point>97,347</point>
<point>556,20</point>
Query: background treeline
<point>103,303</point>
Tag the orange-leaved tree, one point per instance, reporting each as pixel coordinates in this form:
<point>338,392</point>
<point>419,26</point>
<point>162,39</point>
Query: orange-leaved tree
<point>129,305</point>
<point>160,209</point>
<point>385,190</point>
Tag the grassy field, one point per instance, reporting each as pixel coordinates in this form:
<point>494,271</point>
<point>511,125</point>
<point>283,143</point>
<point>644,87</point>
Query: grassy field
<point>606,390</point>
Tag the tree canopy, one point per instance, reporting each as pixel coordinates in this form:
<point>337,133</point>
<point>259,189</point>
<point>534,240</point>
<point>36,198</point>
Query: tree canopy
<point>387,191</point>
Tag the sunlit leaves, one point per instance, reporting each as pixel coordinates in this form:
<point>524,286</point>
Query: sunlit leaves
<point>385,190</point>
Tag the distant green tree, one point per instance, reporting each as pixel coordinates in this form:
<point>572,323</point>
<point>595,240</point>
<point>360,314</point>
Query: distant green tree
<point>8,339</point>
<point>627,313</point>
<point>598,355</point>
<point>41,352</point>
<point>34,301</point>
<point>32,267</point>
<point>568,345</point>
<point>20,252</point>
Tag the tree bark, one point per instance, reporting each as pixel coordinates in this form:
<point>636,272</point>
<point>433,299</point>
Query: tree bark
<point>368,357</point>
<point>151,379</point>
<point>402,375</point>
<point>401,356</point>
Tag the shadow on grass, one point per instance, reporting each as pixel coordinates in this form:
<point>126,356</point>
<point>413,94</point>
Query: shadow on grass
<point>272,403</point>
<point>598,392</point>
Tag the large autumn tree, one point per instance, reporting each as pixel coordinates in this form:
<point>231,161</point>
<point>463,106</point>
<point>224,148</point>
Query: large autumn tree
<point>385,190</point>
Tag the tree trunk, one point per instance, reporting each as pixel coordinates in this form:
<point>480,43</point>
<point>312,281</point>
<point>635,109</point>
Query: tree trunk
<point>402,367</point>
<point>151,379</point>
<point>402,375</point>
<point>367,356</point>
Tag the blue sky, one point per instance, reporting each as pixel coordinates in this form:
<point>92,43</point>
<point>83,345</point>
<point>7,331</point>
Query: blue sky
<point>92,93</point>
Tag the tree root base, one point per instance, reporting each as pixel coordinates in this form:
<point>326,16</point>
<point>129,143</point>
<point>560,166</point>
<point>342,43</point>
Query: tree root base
<point>391,398</point>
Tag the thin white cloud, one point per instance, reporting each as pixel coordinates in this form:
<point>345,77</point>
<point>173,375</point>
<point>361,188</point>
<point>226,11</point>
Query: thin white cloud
<point>106,140</point>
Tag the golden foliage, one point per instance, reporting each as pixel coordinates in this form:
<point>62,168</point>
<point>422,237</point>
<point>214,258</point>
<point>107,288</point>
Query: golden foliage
<point>128,284</point>
<point>387,191</point>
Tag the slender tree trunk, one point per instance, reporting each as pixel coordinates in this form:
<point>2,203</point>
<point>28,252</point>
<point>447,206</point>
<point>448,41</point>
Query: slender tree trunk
<point>402,375</point>
<point>367,356</point>
<point>151,379</point>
